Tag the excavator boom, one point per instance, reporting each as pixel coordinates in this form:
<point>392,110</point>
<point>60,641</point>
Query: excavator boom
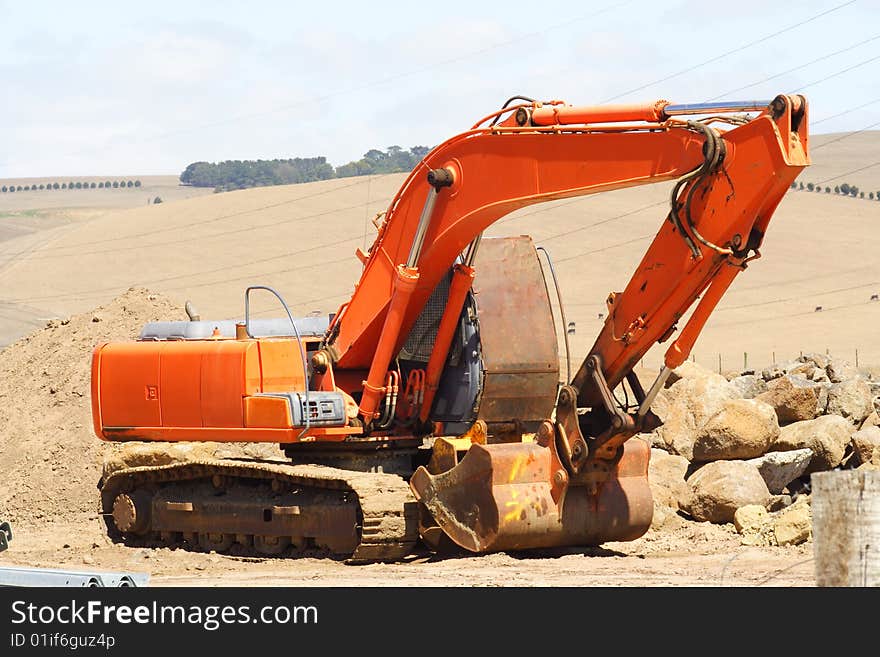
<point>731,184</point>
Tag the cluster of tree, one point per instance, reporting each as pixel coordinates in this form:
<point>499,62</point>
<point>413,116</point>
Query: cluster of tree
<point>393,160</point>
<point>241,174</point>
<point>115,184</point>
<point>844,189</point>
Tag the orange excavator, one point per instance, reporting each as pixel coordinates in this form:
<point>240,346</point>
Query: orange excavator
<point>429,409</point>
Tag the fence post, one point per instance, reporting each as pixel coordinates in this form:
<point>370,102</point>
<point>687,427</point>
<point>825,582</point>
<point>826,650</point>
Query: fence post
<point>719,363</point>
<point>857,356</point>
<point>846,527</point>
<point>774,357</point>
<point>745,360</point>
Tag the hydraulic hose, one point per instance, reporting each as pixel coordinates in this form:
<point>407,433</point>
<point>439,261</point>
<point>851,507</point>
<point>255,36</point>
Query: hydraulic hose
<point>714,154</point>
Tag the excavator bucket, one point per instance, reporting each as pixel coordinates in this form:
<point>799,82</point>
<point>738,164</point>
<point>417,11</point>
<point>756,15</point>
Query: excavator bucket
<point>501,497</point>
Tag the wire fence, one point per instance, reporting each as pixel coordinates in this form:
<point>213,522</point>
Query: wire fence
<point>746,361</point>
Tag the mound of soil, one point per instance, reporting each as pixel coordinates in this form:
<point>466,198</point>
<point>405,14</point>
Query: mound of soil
<point>50,458</point>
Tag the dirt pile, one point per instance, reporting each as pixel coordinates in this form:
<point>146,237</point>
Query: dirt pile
<point>50,459</point>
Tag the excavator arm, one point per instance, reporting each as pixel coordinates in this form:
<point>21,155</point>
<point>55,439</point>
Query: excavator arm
<point>581,467</point>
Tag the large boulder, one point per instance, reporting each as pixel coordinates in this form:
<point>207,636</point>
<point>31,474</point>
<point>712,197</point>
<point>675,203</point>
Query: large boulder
<point>771,373</point>
<point>687,370</point>
<point>866,445</point>
<point>875,395</point>
<point>778,502</point>
<point>686,405</point>
<point>873,420</point>
<point>789,526</point>
<point>851,399</point>
<point>780,468</point>
<point>794,524</point>
<point>749,385</point>
<point>819,376</point>
<point>795,398</point>
<point>666,474</point>
<point>818,360</point>
<point>752,521</point>
<point>840,371</point>
<point>719,488</point>
<point>806,370</point>
<point>742,429</point>
<point>827,437</point>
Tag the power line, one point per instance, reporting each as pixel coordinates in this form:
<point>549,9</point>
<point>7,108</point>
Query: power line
<point>852,109</point>
<point>308,302</point>
<point>731,52</point>
<point>224,233</point>
<point>799,298</point>
<point>100,291</point>
<point>867,166</point>
<point>846,136</point>
<point>810,278</point>
<point>603,221</point>
<point>754,320</point>
<point>841,72</point>
<point>287,270</point>
<point>203,222</point>
<point>374,82</point>
<point>796,68</point>
<point>747,288</point>
<point>606,248</point>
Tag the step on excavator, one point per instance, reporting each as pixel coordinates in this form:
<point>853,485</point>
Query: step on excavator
<point>430,410</point>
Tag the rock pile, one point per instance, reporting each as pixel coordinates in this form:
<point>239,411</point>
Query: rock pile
<point>740,449</point>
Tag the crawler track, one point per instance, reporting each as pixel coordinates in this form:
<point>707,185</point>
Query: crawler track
<point>263,508</point>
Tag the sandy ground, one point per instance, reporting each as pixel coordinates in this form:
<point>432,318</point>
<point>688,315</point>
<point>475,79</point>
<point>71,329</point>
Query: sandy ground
<point>692,555</point>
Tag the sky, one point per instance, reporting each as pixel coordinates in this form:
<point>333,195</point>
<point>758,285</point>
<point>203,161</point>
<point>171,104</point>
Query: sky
<point>101,88</point>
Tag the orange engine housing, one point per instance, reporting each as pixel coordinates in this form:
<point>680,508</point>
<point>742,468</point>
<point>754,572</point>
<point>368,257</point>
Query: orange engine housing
<point>198,390</point>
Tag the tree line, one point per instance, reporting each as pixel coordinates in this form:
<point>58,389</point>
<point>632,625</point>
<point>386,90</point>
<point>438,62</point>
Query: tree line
<point>844,189</point>
<point>104,184</point>
<point>242,174</point>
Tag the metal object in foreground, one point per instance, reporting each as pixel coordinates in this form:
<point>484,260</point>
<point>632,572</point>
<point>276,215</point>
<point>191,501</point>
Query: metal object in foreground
<point>5,535</point>
<point>31,577</point>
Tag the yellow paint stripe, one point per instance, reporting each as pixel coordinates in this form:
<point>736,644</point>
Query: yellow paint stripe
<point>514,471</point>
<point>510,516</point>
